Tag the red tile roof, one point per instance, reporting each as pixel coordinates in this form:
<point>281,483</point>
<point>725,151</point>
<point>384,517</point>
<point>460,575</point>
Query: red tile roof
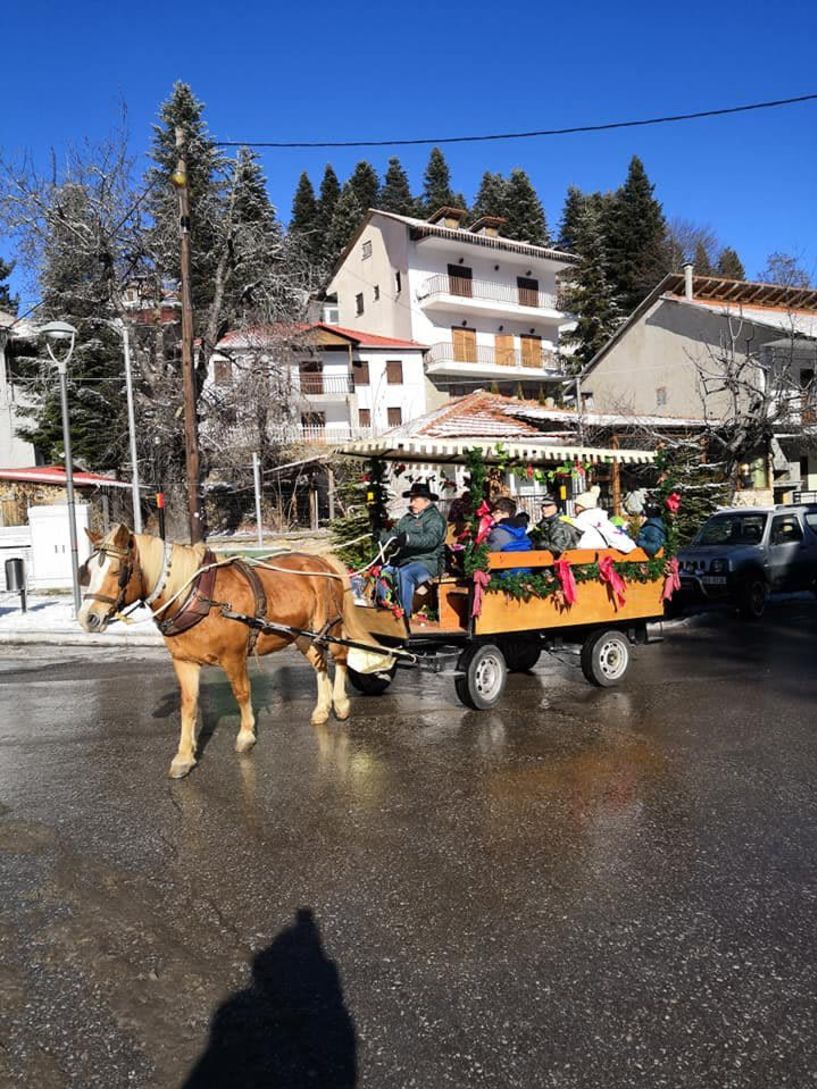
<point>477,415</point>
<point>259,334</point>
<point>55,474</point>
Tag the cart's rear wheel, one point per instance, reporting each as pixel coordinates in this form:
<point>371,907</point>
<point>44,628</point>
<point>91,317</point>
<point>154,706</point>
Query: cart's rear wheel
<point>371,684</point>
<point>484,674</point>
<point>521,654</point>
<point>605,658</point>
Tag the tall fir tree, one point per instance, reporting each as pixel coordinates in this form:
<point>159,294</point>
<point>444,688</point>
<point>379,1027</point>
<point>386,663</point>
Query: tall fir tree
<point>366,184</point>
<point>8,302</point>
<point>255,242</point>
<point>637,238</point>
<point>730,265</point>
<point>304,224</point>
<point>345,220</point>
<point>329,195</point>
<point>395,196</point>
<point>571,214</point>
<point>491,196</point>
<point>701,262</point>
<point>437,191</point>
<point>525,215</point>
<point>588,294</point>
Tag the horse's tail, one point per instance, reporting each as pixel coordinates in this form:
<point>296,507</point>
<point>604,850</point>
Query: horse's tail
<point>353,626</point>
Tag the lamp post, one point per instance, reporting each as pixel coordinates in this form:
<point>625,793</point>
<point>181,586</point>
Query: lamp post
<point>57,332</point>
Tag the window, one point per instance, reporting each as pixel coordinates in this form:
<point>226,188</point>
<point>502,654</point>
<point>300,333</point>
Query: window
<point>660,396</point>
<point>331,315</point>
<point>313,420</point>
<point>364,417</point>
<point>505,355</point>
<point>531,350</point>
<point>359,303</point>
<point>459,280</point>
<point>398,282</point>
<point>464,343</point>
<point>528,291</point>
<point>222,372</point>
<point>360,374</point>
<point>376,292</point>
<point>311,377</point>
<point>786,530</point>
<point>394,372</point>
<point>395,416</point>
<point>366,250</point>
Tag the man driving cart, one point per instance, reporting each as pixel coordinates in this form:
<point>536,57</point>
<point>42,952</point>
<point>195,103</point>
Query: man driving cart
<point>418,544</point>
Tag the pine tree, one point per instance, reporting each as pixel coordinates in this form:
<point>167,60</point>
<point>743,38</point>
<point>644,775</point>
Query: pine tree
<point>588,294</point>
<point>571,213</point>
<point>437,191</point>
<point>395,196</point>
<point>730,265</point>
<point>637,239</point>
<point>256,239</point>
<point>525,215</point>
<point>304,206</point>
<point>366,184</point>
<point>491,196</point>
<point>8,302</point>
<point>329,195</point>
<point>701,262</point>
<point>345,221</point>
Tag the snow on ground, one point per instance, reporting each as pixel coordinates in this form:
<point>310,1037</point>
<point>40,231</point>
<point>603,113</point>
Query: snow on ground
<point>53,616</point>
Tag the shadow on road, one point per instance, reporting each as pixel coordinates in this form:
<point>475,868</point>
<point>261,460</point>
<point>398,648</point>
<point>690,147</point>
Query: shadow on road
<point>289,1029</point>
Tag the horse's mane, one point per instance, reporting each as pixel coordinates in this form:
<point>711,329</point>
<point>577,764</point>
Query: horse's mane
<point>185,561</point>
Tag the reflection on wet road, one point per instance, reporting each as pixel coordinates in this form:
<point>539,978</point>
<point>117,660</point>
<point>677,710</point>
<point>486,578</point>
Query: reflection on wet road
<point>580,888</point>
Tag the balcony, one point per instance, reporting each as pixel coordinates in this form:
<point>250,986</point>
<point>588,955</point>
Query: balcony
<point>313,384</point>
<point>331,435</point>
<point>534,363</point>
<point>489,297</point>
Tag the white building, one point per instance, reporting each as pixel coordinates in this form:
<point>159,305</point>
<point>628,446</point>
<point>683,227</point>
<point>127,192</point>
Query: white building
<point>487,307</point>
<point>14,452</point>
<point>336,384</point>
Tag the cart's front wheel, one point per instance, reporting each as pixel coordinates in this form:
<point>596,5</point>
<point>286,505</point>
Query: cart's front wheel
<point>521,654</point>
<point>605,658</point>
<point>483,678</point>
<point>371,684</point>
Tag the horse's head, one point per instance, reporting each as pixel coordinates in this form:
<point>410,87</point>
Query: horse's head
<point>108,577</point>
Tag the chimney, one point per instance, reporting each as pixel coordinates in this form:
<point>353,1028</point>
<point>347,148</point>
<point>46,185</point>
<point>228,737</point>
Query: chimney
<point>448,217</point>
<point>488,226</point>
<point>688,269</point>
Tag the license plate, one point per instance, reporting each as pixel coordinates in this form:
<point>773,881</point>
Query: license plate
<point>714,580</point>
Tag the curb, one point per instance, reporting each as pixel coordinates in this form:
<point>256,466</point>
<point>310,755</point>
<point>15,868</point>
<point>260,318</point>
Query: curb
<point>69,639</point>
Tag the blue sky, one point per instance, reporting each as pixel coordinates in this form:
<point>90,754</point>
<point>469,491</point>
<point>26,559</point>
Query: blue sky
<point>330,71</point>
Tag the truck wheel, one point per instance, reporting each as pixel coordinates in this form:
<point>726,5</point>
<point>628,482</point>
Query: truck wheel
<point>605,658</point>
<point>483,678</point>
<point>752,598</point>
<point>521,655</point>
<point>371,684</point>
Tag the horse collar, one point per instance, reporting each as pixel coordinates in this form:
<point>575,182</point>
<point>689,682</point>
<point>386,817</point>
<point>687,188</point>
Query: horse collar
<point>161,582</point>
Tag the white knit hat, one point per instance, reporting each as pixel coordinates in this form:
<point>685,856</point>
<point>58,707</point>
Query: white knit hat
<point>588,499</point>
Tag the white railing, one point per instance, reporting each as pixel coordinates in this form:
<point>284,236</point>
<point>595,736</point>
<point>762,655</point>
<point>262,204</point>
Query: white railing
<point>323,436</point>
<point>488,291</point>
<point>322,385</point>
<point>541,359</point>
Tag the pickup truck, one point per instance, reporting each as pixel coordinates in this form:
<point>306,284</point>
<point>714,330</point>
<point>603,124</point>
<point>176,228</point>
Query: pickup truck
<point>741,555</point>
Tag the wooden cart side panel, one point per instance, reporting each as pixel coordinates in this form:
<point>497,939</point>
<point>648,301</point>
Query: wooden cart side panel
<point>505,561</point>
<point>382,622</point>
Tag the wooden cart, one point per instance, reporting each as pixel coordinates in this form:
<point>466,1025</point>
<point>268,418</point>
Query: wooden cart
<point>508,635</point>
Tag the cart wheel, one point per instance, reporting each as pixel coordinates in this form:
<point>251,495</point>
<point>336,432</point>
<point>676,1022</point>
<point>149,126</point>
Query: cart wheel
<point>484,676</point>
<point>521,654</point>
<point>371,684</point>
<point>605,658</point>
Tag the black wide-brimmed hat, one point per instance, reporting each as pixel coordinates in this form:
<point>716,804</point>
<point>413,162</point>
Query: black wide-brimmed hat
<point>422,490</point>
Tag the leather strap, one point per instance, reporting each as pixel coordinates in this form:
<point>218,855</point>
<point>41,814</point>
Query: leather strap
<point>196,605</point>
<point>260,599</point>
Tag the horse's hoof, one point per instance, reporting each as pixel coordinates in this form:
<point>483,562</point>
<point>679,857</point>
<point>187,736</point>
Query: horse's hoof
<point>319,718</point>
<point>342,711</point>
<point>244,742</point>
<point>180,768</point>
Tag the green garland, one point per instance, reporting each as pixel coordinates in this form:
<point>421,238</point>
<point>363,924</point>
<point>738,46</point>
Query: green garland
<point>544,583</point>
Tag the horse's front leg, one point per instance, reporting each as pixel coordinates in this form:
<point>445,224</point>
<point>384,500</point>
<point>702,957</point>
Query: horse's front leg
<point>188,675</point>
<point>317,659</point>
<point>239,678</point>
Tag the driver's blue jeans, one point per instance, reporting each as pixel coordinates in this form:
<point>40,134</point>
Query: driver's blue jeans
<point>409,576</point>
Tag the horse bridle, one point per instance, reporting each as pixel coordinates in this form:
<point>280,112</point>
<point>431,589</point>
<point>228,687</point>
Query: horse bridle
<point>126,572</point>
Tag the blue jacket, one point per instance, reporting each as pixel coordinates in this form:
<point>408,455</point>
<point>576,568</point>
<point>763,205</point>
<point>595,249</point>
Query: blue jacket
<point>652,536</point>
<point>510,535</point>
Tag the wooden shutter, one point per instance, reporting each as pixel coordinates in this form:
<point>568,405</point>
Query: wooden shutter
<point>505,355</point>
<point>459,280</point>
<point>395,416</point>
<point>528,291</point>
<point>364,417</point>
<point>464,342</point>
<point>531,351</point>
<point>394,372</point>
<point>360,374</point>
<point>311,375</point>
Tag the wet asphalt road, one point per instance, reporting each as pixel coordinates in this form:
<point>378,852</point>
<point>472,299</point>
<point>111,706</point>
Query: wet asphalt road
<point>584,888</point>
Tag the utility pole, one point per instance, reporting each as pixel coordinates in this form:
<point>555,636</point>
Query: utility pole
<point>256,477</point>
<point>191,437</point>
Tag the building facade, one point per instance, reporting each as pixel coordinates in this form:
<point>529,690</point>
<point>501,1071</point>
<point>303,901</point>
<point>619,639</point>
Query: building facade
<point>487,307</point>
<point>14,451</point>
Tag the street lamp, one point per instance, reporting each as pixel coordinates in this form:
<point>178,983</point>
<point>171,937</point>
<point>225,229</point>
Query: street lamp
<point>60,332</point>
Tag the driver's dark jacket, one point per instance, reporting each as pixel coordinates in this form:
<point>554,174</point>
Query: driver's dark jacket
<point>425,540</point>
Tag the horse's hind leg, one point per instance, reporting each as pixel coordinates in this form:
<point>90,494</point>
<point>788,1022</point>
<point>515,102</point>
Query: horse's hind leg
<point>317,659</point>
<point>188,675</point>
<point>239,678</point>
<point>340,701</point>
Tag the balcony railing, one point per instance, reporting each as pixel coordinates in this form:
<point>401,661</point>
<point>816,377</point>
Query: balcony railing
<point>488,291</point>
<point>533,358</point>
<point>315,385</point>
<point>323,436</point>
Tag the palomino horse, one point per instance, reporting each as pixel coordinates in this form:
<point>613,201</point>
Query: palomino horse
<point>307,592</point>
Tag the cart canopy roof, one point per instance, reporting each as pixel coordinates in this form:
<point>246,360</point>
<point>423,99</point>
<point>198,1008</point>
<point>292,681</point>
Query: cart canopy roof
<point>394,448</point>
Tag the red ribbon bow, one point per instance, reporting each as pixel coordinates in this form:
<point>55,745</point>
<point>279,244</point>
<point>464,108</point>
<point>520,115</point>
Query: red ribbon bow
<point>486,521</point>
<point>608,574</point>
<point>672,580</point>
<point>673,502</point>
<point>566,580</point>
<point>481,580</point>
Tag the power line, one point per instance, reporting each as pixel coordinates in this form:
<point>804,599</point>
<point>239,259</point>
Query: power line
<point>572,130</point>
